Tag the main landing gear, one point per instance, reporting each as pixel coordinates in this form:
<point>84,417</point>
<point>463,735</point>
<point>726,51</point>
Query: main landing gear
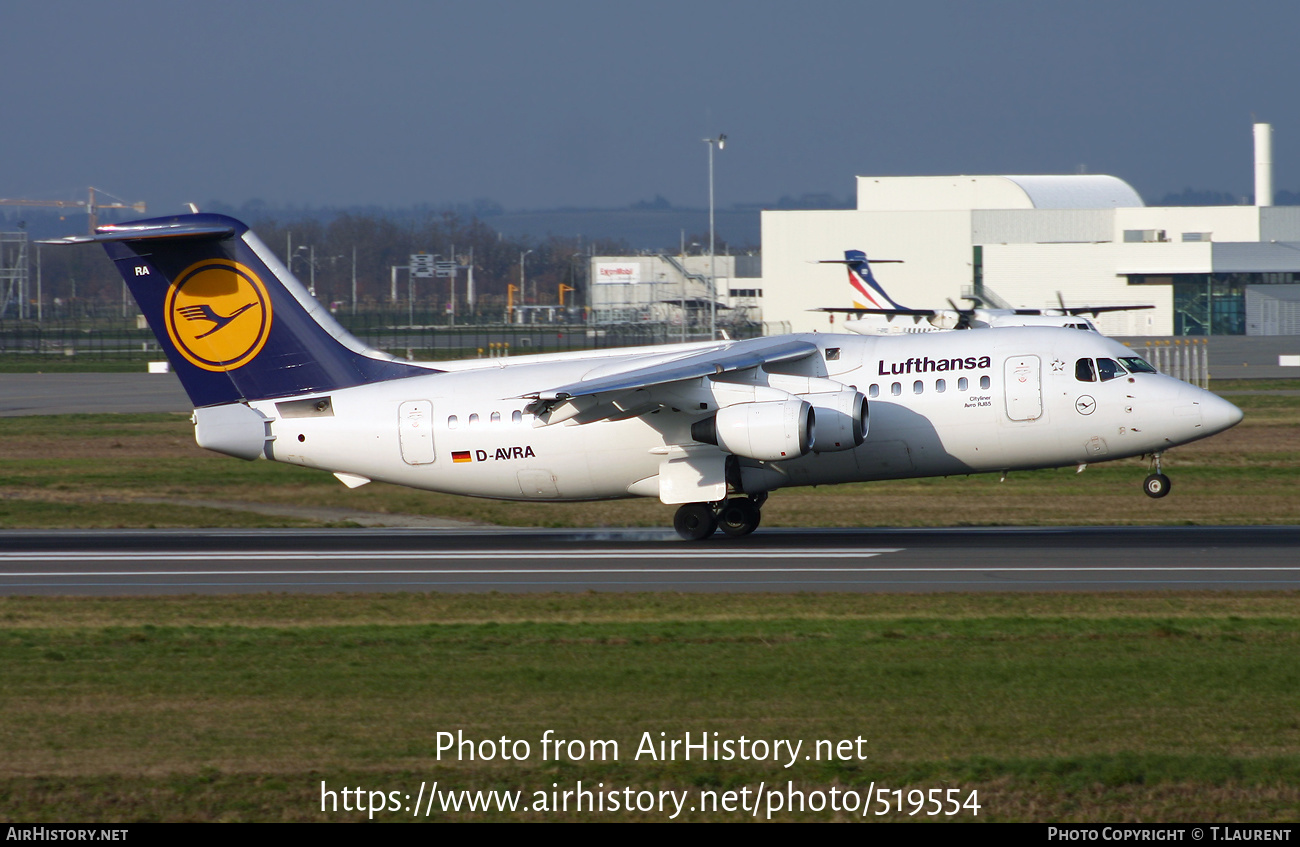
<point>1157,484</point>
<point>735,516</point>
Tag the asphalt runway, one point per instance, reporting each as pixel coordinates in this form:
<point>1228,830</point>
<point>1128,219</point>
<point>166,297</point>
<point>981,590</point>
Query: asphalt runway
<point>90,394</point>
<point>870,560</point>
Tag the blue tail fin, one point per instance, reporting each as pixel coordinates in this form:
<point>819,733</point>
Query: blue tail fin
<point>235,324</point>
<point>864,282</point>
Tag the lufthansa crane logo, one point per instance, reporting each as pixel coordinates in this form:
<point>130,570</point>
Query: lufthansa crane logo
<point>218,314</point>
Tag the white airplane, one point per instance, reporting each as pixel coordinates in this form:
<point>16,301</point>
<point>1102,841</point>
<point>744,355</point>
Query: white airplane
<point>712,428</point>
<point>876,318</point>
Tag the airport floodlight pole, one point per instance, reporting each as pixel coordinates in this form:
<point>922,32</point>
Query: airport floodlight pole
<point>720,142</point>
<point>523,292</point>
<point>683,255</point>
<point>311,289</point>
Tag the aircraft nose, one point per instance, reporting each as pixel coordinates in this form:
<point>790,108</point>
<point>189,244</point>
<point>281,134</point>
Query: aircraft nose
<point>1218,414</point>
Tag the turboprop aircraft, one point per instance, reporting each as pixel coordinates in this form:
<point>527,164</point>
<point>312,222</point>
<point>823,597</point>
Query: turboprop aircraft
<point>712,428</point>
<point>875,318</point>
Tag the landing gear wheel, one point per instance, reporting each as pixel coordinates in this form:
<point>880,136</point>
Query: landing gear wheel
<point>1157,485</point>
<point>739,517</point>
<point>695,521</point>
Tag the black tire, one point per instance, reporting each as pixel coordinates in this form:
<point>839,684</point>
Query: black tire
<point>1156,486</point>
<point>695,521</point>
<point>739,517</point>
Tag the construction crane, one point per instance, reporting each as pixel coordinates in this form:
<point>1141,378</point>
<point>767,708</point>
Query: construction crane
<point>90,205</point>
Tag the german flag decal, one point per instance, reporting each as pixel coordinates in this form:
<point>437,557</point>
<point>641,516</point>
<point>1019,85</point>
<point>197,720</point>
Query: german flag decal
<point>462,456</point>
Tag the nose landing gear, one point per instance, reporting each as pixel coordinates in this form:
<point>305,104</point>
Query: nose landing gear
<point>1156,485</point>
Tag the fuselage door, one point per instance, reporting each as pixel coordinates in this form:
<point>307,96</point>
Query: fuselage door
<point>1024,388</point>
<point>415,431</point>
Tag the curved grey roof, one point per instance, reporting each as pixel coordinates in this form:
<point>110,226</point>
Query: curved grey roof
<point>1077,191</point>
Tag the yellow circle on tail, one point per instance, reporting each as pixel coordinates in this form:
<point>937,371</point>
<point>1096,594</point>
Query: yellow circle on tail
<point>218,314</point>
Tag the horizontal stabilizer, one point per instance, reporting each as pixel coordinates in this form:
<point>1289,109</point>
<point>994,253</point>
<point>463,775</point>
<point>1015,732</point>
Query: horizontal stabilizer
<point>144,232</point>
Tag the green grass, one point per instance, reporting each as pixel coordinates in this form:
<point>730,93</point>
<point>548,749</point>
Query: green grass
<point>1053,708</point>
<point>37,514</point>
<point>1233,385</point>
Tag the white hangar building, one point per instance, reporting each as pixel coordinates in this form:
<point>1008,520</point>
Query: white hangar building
<point>1220,270</point>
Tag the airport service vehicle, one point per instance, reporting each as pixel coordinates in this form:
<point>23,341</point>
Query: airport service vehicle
<point>876,318</point>
<point>712,428</point>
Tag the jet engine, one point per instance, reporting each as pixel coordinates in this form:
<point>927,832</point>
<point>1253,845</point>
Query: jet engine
<point>841,420</point>
<point>769,431</point>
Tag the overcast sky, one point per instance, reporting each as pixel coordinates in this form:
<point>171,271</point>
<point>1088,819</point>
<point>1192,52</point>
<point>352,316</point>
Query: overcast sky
<point>564,103</point>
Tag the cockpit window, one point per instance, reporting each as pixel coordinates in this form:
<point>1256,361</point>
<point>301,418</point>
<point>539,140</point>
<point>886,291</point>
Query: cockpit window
<point>1138,366</point>
<point>1109,369</point>
<point>1084,372</point>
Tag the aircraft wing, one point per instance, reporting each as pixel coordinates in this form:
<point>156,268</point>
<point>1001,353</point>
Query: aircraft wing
<point>1096,310</point>
<point>917,313</point>
<point>1079,310</point>
<point>738,356</point>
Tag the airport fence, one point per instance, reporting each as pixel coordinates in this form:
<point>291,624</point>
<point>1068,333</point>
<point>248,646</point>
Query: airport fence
<point>105,335</point>
<point>1187,359</point>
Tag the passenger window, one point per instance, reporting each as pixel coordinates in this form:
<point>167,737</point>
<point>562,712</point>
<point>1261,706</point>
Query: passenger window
<point>940,386</point>
<point>516,416</point>
<point>1084,372</point>
<point>962,384</point>
<point>874,391</point>
<point>452,422</point>
<point>1109,369</point>
<point>984,382</point>
<point>496,417</point>
<point>896,389</point>
<point>473,420</point>
<point>918,387</point>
